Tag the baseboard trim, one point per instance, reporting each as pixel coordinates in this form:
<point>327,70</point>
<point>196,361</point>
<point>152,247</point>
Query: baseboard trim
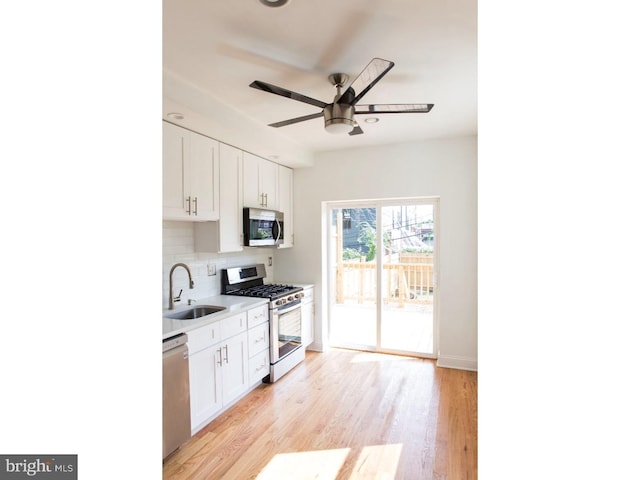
<point>460,363</point>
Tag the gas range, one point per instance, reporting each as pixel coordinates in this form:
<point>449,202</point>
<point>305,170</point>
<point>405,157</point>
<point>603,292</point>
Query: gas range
<point>285,314</point>
<point>249,282</point>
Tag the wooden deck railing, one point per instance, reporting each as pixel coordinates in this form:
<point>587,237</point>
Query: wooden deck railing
<point>403,282</point>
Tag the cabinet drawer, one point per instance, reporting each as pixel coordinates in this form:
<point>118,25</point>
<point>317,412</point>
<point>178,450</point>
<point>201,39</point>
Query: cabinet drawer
<point>203,337</point>
<point>258,339</point>
<point>258,315</point>
<point>258,367</point>
<point>233,325</point>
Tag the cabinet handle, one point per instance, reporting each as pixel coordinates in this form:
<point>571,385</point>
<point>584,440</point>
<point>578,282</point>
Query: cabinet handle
<point>220,352</point>
<point>259,340</point>
<point>195,206</point>
<point>189,205</point>
<point>226,354</point>
<point>266,199</point>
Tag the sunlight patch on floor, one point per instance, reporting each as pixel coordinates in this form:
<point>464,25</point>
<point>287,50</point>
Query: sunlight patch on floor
<point>377,461</point>
<point>316,465</point>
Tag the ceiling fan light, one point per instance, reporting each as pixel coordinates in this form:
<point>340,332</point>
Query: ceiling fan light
<point>338,118</point>
<point>339,125</point>
<point>274,3</point>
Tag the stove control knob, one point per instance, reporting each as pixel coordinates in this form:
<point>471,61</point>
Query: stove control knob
<point>290,298</point>
<point>299,295</point>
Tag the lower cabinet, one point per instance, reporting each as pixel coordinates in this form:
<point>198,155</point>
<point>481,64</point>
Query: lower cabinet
<point>218,368</point>
<point>235,378</point>
<point>205,386</point>
<point>308,317</point>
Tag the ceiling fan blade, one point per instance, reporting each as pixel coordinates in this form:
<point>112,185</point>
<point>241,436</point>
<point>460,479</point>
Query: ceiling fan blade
<point>356,130</point>
<point>372,73</point>
<point>286,93</point>
<point>394,108</point>
<point>296,120</point>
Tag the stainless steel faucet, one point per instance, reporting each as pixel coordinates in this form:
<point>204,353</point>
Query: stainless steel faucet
<point>171,299</point>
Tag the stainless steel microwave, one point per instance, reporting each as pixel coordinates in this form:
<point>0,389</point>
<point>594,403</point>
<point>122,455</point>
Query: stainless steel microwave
<point>263,228</point>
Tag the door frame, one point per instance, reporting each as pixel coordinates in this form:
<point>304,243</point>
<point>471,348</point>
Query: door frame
<point>329,279</point>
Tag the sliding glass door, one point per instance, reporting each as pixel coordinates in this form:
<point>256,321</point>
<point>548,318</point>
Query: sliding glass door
<point>353,321</point>
<point>382,276</point>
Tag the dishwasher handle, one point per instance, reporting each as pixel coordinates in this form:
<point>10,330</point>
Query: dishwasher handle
<point>174,342</point>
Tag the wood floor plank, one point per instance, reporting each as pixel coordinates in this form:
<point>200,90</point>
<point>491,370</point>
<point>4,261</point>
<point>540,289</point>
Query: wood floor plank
<point>343,415</point>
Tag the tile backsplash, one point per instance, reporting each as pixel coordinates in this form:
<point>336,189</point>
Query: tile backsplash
<point>178,247</point>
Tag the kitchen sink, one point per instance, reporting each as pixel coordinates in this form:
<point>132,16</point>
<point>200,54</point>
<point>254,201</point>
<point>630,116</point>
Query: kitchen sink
<point>195,312</point>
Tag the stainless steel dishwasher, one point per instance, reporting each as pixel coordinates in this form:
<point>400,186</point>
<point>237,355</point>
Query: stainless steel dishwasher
<point>176,411</point>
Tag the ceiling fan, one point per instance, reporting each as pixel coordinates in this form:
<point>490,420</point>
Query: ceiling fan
<point>339,115</point>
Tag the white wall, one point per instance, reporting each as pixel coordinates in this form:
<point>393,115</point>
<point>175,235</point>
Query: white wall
<point>444,168</point>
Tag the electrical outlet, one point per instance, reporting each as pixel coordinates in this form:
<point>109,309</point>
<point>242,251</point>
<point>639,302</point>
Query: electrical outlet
<point>270,261</point>
<point>211,269</point>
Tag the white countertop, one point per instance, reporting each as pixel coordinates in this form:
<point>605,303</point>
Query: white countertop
<point>234,304</point>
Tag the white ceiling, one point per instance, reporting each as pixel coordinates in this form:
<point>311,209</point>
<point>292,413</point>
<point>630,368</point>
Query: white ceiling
<point>222,46</point>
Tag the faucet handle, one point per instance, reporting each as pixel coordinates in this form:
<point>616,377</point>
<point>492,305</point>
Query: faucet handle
<point>191,301</point>
<point>177,299</point>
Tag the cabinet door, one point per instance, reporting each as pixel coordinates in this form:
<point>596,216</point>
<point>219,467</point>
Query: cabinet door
<point>175,169</point>
<point>250,181</point>
<point>285,197</point>
<point>235,371</point>
<point>260,180</point>
<point>230,223</point>
<point>203,179</point>
<point>268,183</point>
<point>205,385</point>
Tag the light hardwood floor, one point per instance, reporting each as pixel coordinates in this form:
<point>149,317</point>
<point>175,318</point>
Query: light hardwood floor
<point>343,415</point>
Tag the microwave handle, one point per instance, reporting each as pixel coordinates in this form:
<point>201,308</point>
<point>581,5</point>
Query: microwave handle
<point>277,237</point>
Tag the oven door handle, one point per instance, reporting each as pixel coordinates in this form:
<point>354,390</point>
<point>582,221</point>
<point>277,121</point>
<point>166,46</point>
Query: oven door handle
<point>287,308</point>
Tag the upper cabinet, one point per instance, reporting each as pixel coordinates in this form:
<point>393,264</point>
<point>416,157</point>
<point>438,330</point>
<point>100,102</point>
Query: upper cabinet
<point>285,197</point>
<point>231,238</point>
<point>225,235</point>
<point>190,175</point>
<point>260,179</point>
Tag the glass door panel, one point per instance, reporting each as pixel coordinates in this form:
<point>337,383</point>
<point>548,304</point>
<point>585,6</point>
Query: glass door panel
<point>352,257</point>
<point>407,277</point>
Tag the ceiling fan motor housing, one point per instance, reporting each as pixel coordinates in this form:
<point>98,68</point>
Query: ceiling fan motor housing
<point>338,118</point>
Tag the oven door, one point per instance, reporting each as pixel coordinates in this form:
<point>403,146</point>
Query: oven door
<point>286,330</point>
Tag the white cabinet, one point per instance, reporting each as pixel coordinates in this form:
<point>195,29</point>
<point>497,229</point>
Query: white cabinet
<point>258,344</point>
<point>205,380</point>
<point>285,197</point>
<point>308,316</point>
<point>260,179</point>
<point>235,368</point>
<point>218,367</point>
<point>205,386</point>
<point>189,175</point>
<point>225,235</point>
<point>258,315</point>
<point>235,375</point>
